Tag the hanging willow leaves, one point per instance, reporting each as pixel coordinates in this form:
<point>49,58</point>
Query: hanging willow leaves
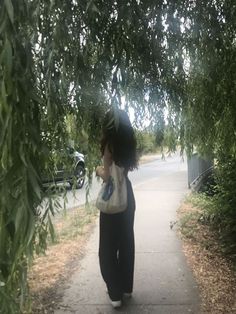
<point>10,10</point>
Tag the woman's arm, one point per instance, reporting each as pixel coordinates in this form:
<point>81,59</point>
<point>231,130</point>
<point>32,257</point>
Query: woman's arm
<point>104,171</point>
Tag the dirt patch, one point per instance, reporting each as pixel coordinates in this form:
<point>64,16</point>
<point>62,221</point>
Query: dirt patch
<point>49,274</point>
<point>214,272</point>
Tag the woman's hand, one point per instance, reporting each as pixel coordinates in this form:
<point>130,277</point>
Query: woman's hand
<point>103,173</point>
<point>99,171</point>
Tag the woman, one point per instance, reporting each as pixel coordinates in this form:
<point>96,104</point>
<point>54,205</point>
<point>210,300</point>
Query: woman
<point>116,245</point>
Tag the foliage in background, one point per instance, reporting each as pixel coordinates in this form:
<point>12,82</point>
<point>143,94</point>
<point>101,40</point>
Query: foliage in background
<point>224,213</point>
<point>78,140</point>
<point>214,213</point>
<point>145,142</point>
<point>208,118</point>
<point>156,142</point>
<point>62,64</point>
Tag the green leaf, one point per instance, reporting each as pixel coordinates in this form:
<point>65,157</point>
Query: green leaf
<point>35,97</point>
<point>95,8</point>
<point>3,94</point>
<point>22,154</point>
<point>52,3</point>
<point>34,182</point>
<point>88,5</point>
<point>8,55</point>
<point>19,217</point>
<point>51,229</point>
<point>3,25</point>
<point>10,10</point>
<point>4,157</point>
<point>30,228</point>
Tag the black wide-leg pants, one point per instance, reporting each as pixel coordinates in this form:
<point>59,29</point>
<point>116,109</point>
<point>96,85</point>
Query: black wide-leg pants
<point>116,249</point>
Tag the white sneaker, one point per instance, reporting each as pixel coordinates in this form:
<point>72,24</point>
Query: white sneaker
<point>116,304</point>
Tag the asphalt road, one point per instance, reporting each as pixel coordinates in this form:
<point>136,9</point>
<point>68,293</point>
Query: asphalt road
<point>145,172</point>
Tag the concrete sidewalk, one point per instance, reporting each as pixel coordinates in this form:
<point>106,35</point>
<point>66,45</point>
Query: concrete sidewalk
<point>163,282</point>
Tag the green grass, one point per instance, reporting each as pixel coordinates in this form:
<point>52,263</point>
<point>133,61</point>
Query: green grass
<point>70,224</point>
<point>188,224</point>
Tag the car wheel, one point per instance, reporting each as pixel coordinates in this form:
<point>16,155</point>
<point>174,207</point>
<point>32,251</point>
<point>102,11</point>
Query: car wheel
<point>80,177</point>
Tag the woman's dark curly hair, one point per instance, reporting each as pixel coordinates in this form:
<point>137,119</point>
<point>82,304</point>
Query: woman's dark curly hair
<point>119,136</point>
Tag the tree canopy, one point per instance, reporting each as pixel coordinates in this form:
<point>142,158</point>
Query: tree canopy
<point>60,59</point>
